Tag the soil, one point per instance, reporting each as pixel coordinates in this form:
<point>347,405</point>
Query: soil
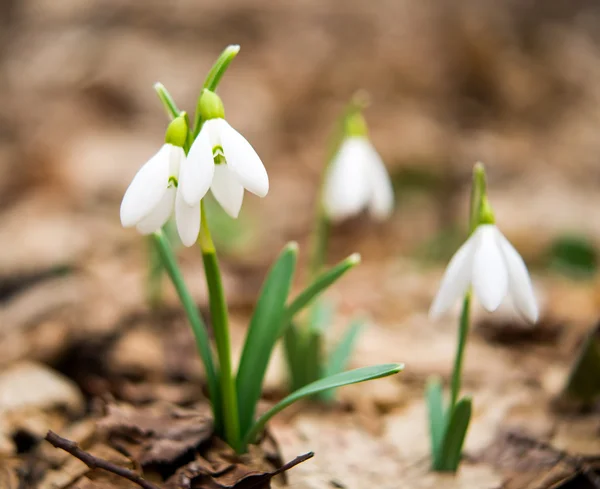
<point>515,85</point>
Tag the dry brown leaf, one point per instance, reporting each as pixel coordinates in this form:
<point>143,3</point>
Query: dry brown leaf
<point>221,468</point>
<point>156,434</point>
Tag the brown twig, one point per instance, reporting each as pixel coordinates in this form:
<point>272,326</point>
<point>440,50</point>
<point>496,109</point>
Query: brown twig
<point>97,463</point>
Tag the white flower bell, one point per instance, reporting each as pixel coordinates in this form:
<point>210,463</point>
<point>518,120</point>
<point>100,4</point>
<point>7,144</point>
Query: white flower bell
<point>223,160</point>
<point>357,177</point>
<point>153,193</point>
<point>489,263</point>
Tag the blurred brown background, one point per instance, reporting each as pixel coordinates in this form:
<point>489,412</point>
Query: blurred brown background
<point>514,84</point>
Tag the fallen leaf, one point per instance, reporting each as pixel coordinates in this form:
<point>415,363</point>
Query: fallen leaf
<point>156,434</point>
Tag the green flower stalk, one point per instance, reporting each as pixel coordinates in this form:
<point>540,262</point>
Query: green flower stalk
<point>488,265</point>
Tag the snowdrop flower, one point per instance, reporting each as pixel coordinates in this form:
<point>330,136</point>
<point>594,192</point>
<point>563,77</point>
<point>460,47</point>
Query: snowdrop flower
<point>357,177</point>
<point>489,263</point>
<point>153,193</point>
<point>221,159</point>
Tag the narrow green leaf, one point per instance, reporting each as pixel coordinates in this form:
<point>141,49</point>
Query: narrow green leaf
<point>454,438</point>
<point>263,333</point>
<point>322,282</point>
<point>338,380</point>
<point>313,357</point>
<point>437,423</point>
<point>293,345</point>
<point>340,356</point>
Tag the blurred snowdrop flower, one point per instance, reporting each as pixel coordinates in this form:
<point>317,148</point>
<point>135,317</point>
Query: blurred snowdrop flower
<point>489,263</point>
<point>357,178</point>
<point>221,159</point>
<point>153,193</point>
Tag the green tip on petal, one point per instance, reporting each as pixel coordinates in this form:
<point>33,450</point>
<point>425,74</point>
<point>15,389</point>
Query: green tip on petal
<point>486,214</point>
<point>211,106</point>
<point>177,131</point>
<point>355,125</point>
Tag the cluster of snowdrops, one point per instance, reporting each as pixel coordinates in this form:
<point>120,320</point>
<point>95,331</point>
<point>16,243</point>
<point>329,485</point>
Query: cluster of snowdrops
<point>207,153</point>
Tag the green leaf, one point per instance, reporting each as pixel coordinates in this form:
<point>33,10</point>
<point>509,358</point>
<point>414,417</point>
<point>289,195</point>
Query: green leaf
<point>322,282</point>
<point>338,380</point>
<point>583,384</point>
<point>437,421</point>
<point>293,345</point>
<point>454,438</point>
<point>263,333</point>
<point>340,356</point>
<point>313,357</point>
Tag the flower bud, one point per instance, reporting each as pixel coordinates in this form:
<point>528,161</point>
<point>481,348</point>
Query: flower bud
<point>355,125</point>
<point>210,106</point>
<point>177,131</point>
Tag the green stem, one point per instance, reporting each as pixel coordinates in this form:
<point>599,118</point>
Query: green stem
<point>220,322</point>
<point>167,100</point>
<point>198,327</point>
<point>212,81</point>
<point>463,331</point>
<point>155,274</point>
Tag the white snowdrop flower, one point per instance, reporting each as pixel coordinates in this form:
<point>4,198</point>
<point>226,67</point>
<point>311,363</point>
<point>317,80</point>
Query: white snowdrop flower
<point>154,192</point>
<point>489,263</point>
<point>357,179</point>
<point>150,198</point>
<point>223,160</point>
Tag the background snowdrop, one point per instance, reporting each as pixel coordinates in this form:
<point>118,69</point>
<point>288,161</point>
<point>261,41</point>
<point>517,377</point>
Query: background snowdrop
<point>357,178</point>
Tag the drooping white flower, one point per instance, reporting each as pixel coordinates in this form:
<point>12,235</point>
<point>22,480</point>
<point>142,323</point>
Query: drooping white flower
<point>237,167</point>
<point>489,263</point>
<point>153,194</point>
<point>357,179</point>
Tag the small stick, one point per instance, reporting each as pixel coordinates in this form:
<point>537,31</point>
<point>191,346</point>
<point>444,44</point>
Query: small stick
<point>97,463</point>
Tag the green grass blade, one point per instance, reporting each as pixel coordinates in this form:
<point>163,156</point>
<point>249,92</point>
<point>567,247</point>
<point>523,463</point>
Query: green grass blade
<point>338,380</point>
<point>320,284</point>
<point>340,356</point>
<point>263,333</point>
<point>437,422</point>
<point>456,432</point>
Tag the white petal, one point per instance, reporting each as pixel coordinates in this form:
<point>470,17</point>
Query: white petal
<point>243,160</point>
<point>347,190</point>
<point>176,158</point>
<point>490,276</point>
<point>146,189</point>
<point>187,218</point>
<point>381,203</point>
<point>159,215</point>
<point>196,173</point>
<point>456,279</point>
<point>227,190</point>
<point>519,282</point>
